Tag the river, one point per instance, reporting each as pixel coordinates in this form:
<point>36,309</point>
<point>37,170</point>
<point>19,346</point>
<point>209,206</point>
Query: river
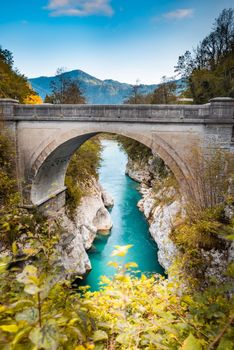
<point>129,224</point>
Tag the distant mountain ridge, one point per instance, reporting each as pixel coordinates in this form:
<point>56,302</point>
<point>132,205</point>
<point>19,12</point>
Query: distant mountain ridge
<point>96,91</point>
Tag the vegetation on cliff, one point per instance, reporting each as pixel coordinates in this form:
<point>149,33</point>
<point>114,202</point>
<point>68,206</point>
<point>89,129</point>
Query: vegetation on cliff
<point>83,166</point>
<point>12,83</point>
<point>8,183</point>
<point>206,222</point>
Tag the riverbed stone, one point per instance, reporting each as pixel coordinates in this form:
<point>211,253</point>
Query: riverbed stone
<point>107,199</point>
<point>102,220</point>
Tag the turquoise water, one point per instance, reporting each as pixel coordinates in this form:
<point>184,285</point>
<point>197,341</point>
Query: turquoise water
<point>129,224</point>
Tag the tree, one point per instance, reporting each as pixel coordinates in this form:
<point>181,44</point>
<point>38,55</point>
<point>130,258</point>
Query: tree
<point>136,97</point>
<point>65,90</point>
<point>209,69</point>
<point>6,56</point>
<point>33,100</point>
<point>12,83</point>
<point>165,93</point>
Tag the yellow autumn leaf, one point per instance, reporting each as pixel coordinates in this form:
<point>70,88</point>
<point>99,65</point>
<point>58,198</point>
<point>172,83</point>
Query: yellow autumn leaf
<point>34,280</point>
<point>14,248</point>
<point>73,321</point>
<point>104,280</point>
<point>33,100</point>
<point>121,250</point>
<point>2,308</point>
<point>10,328</point>
<point>130,265</point>
<point>122,278</point>
<point>113,264</point>
<point>29,251</point>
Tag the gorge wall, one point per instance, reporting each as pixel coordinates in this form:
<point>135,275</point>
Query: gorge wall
<point>90,217</point>
<point>161,207</point>
<point>164,209</point>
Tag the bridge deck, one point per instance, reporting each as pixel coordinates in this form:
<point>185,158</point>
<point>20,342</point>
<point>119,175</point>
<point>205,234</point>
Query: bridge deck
<point>219,110</point>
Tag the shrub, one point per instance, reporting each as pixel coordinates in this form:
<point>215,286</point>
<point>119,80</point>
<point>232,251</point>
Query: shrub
<point>83,166</point>
<point>8,183</point>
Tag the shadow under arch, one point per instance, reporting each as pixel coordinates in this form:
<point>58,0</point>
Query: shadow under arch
<point>49,164</point>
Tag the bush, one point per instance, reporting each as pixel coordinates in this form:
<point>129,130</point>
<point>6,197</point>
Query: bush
<point>135,150</point>
<point>127,313</point>
<point>8,183</point>
<point>83,166</point>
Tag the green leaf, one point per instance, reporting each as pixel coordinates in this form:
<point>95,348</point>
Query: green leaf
<point>123,339</point>
<point>225,344</point>
<point>20,335</point>
<point>100,346</point>
<point>99,336</point>
<point>45,337</point>
<point>31,289</point>
<point>30,315</point>
<point>25,276</point>
<point>191,343</point>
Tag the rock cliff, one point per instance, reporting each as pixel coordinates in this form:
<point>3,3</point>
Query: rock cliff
<point>163,207</point>
<point>90,217</point>
<point>161,214</point>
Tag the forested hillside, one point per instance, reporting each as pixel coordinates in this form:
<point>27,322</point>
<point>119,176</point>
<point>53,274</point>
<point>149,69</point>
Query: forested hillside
<point>208,70</point>
<point>12,83</point>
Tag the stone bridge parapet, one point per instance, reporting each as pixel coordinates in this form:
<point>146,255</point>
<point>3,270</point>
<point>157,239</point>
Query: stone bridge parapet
<point>47,135</point>
<point>218,110</point>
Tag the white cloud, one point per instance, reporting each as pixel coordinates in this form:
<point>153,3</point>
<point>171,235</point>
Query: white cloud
<point>79,7</point>
<point>179,14</point>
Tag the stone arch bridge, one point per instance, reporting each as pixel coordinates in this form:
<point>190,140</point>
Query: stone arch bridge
<point>46,136</point>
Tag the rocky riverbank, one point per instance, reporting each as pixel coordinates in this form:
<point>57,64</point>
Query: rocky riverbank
<point>163,208</point>
<point>160,214</point>
<point>91,217</point>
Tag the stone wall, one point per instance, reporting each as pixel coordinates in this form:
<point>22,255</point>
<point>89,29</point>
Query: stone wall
<point>47,136</point>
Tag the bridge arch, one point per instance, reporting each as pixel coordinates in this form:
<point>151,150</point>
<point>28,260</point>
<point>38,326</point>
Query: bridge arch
<point>49,163</point>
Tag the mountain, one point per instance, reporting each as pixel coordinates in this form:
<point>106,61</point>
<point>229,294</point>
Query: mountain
<point>96,91</point>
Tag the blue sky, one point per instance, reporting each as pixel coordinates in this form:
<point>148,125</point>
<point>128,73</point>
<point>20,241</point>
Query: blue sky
<point>123,40</point>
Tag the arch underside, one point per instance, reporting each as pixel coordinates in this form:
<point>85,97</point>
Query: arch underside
<point>49,165</point>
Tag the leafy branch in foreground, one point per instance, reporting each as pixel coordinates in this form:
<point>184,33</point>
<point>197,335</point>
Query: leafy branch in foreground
<point>127,313</point>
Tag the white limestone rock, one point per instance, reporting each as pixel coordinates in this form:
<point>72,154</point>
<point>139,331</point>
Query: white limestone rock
<point>92,214</point>
<point>102,220</point>
<point>160,229</point>
<point>107,199</point>
<point>137,171</point>
<point>90,217</point>
<point>73,257</point>
<point>160,218</point>
<point>146,204</point>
